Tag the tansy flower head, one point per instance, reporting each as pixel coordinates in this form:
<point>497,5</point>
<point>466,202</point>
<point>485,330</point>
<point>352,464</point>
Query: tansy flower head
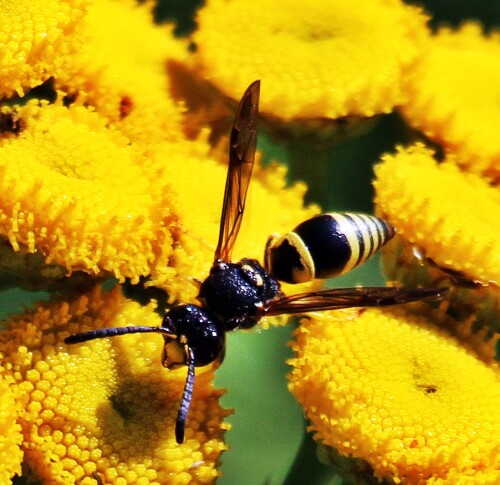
<point>315,60</point>
<point>454,216</point>
<point>453,94</point>
<point>132,90</point>
<point>387,387</point>
<point>76,191</point>
<point>453,220</point>
<point>72,44</point>
<point>107,406</point>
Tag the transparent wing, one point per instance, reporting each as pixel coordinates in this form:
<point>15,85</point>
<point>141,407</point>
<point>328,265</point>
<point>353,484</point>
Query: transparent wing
<point>337,298</point>
<point>242,143</point>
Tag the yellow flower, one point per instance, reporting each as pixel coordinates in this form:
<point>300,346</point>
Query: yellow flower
<point>11,437</point>
<point>389,388</point>
<point>107,406</point>
<point>448,223</point>
<point>119,69</point>
<point>76,191</point>
<point>453,96</point>
<point>36,37</point>
<point>454,216</point>
<point>315,60</point>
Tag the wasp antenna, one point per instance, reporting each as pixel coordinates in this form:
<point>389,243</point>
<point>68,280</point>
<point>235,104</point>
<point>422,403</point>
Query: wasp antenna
<point>113,332</point>
<point>180,423</point>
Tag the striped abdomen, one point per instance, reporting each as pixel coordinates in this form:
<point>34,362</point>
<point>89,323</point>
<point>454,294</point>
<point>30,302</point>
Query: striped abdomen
<point>325,246</point>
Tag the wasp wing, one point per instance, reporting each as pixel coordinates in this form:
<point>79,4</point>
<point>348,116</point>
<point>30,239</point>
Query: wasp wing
<point>337,298</point>
<point>242,144</point>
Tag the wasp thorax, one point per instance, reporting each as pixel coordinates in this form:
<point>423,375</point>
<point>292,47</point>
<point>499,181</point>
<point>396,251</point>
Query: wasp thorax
<point>235,292</point>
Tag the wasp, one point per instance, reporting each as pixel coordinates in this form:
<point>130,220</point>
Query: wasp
<point>325,246</point>
<point>237,295</point>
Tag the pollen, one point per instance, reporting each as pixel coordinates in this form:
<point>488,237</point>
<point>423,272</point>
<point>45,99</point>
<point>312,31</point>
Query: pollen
<point>315,60</point>
<point>389,388</point>
<point>106,408</point>
<point>453,94</point>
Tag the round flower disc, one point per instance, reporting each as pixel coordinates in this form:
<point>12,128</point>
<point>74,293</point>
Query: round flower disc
<point>390,389</point>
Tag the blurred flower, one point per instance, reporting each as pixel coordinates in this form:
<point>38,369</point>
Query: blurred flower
<point>315,60</point>
<point>107,406</point>
<point>132,91</point>
<point>73,42</point>
<point>387,387</point>
<point>453,93</point>
<point>39,43</point>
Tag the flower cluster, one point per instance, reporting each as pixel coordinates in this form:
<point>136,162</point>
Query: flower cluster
<point>99,180</point>
<point>453,96</point>
<point>111,168</point>
<point>413,393</point>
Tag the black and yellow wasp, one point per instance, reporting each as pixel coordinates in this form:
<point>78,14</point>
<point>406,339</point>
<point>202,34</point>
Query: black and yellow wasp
<point>237,295</point>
